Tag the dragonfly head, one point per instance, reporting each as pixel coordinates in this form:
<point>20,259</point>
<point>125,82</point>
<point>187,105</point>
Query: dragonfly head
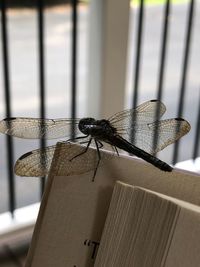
<point>86,124</point>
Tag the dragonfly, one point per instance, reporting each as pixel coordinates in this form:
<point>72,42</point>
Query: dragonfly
<point>131,130</point>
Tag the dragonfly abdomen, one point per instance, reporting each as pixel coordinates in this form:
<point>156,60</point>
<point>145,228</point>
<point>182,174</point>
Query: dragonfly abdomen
<point>121,143</point>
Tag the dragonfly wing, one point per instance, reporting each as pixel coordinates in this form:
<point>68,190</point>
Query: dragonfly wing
<point>139,126</point>
<point>37,163</point>
<point>32,128</point>
<point>82,163</point>
<point>167,132</point>
<point>134,118</point>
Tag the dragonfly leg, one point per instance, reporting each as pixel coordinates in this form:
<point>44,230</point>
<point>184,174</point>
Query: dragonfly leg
<point>82,143</point>
<point>76,138</point>
<point>99,157</point>
<point>116,150</point>
<point>83,151</point>
<point>100,144</point>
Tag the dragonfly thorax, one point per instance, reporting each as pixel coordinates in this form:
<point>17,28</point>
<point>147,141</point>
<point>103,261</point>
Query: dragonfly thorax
<point>96,128</point>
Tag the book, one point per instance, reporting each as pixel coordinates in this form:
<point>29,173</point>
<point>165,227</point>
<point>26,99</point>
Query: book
<point>74,209</point>
<point>147,229</point>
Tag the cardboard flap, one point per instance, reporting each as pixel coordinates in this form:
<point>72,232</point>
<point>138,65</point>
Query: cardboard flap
<point>74,209</point>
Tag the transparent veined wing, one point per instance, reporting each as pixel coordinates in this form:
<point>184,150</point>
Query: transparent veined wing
<point>37,163</point>
<point>139,126</point>
<point>167,132</point>
<point>131,119</point>
<point>33,128</point>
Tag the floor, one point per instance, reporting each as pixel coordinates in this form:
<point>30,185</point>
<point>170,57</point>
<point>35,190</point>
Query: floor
<point>12,258</point>
<point>14,247</point>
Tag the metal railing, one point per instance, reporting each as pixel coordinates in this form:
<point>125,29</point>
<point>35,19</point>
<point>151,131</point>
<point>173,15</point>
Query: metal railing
<point>162,65</point>
<point>8,105</point>
<point>41,68</point>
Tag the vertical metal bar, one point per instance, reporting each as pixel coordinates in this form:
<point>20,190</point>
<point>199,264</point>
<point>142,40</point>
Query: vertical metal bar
<point>9,140</point>
<point>137,64</point>
<point>197,135</point>
<point>163,50</point>
<point>184,72</point>
<point>138,53</point>
<point>162,65</point>
<point>74,4</point>
<point>40,8</point>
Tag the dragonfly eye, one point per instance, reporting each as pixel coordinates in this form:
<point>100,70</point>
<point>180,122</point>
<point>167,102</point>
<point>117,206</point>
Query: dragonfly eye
<point>85,123</point>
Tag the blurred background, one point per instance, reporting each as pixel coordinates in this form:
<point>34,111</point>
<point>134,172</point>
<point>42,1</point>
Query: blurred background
<point>65,59</point>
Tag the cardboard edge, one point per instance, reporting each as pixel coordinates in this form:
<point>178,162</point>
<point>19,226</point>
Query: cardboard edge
<point>42,209</point>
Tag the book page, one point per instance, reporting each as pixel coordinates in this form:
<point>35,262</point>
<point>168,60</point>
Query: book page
<point>144,228</point>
